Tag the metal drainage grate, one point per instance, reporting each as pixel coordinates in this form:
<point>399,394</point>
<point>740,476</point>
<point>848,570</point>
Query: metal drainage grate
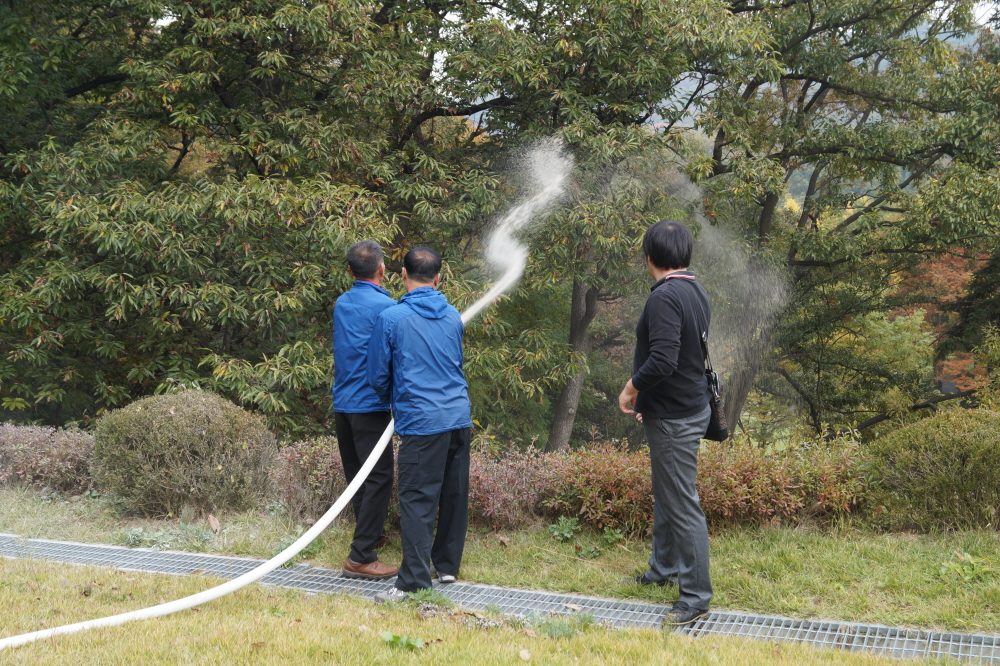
<point>887,641</point>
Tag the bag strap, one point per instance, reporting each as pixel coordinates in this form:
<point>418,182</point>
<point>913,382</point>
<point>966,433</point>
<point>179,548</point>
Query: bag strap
<point>703,320</point>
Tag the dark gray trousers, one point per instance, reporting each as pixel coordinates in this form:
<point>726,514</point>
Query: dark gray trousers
<point>433,483</point>
<point>357,435</point>
<point>680,533</point>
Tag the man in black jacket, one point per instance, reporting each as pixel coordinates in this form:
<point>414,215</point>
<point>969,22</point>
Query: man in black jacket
<point>668,392</point>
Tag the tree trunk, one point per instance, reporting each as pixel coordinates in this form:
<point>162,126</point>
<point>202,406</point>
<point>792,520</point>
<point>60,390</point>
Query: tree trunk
<point>768,206</point>
<point>747,362</point>
<point>582,313</point>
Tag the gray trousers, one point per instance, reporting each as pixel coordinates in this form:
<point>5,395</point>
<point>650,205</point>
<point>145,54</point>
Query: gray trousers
<point>680,533</point>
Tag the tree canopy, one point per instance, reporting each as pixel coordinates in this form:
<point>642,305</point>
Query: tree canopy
<point>179,182</point>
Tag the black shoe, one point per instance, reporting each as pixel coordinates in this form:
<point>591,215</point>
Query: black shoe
<point>645,581</point>
<point>682,614</point>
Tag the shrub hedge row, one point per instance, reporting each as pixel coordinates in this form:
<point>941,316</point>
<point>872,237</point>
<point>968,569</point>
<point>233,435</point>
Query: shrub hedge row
<point>198,450</point>
<point>606,486</point>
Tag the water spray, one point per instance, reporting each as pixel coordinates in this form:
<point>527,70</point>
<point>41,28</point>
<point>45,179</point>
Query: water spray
<point>548,169</point>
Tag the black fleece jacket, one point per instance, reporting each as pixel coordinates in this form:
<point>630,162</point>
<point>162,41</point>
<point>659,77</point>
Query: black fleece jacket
<point>669,365</point>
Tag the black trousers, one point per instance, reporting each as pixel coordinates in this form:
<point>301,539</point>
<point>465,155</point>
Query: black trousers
<point>357,435</point>
<point>433,483</point>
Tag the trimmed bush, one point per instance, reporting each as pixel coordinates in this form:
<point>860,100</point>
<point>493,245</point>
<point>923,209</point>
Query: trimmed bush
<point>942,472</point>
<point>46,457</point>
<point>309,476</point>
<point>190,449</point>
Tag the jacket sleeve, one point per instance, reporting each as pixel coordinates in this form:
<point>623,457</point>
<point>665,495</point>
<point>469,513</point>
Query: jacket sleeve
<point>665,317</point>
<point>379,363</point>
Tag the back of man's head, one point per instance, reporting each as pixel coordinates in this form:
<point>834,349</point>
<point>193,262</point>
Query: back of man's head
<point>668,245</point>
<point>422,264</point>
<point>364,258</point>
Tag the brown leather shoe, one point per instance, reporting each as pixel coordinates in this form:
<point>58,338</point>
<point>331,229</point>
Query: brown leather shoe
<point>371,571</point>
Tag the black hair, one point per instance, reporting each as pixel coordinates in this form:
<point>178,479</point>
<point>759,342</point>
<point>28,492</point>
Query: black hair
<point>668,244</point>
<point>422,264</point>
<point>364,258</point>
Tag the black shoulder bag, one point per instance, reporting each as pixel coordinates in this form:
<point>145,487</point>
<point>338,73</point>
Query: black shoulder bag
<point>718,427</point>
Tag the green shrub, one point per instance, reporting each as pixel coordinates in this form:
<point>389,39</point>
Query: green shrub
<point>191,449</point>
<point>940,473</point>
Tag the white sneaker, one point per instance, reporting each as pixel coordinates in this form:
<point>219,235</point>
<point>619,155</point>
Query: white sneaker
<point>395,595</point>
<point>446,579</point>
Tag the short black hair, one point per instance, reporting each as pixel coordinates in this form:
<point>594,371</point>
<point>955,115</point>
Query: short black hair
<point>364,258</point>
<point>669,245</point>
<point>422,264</point>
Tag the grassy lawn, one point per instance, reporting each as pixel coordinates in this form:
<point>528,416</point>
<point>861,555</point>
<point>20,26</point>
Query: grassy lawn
<point>266,626</point>
<point>849,574</point>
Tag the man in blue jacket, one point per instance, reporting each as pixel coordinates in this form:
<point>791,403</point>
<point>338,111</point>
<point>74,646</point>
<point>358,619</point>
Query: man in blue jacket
<point>362,415</point>
<point>415,357</point>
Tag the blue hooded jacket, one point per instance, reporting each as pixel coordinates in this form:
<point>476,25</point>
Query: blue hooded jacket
<point>354,317</point>
<point>416,355</point>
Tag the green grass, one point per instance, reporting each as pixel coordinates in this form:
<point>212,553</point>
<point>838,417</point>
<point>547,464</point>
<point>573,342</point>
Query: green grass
<point>847,574</point>
<point>271,626</point>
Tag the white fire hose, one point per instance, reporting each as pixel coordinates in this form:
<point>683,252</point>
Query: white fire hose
<point>214,593</point>
<point>550,167</point>
<point>220,590</point>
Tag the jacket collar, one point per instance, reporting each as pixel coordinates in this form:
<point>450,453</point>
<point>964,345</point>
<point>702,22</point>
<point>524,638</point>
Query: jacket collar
<point>365,283</point>
<point>417,293</point>
<point>679,274</point>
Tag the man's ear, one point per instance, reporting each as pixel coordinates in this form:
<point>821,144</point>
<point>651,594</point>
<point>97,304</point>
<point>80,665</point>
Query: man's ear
<point>404,273</point>
<point>437,280</point>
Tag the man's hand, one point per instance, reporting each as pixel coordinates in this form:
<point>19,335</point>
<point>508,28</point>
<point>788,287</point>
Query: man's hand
<point>626,401</point>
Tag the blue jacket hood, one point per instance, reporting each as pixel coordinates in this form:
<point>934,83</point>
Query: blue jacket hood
<point>415,359</point>
<point>427,302</point>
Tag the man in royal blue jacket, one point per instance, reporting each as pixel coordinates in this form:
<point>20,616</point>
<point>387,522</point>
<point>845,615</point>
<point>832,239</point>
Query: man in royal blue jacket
<point>415,358</point>
<point>362,415</point>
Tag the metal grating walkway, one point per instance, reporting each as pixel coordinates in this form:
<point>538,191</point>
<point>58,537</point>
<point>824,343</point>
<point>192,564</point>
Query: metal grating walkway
<point>888,641</point>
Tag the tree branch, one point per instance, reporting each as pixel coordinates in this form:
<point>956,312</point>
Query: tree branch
<point>90,85</point>
<point>439,112</point>
<point>817,263</point>
<point>926,404</point>
<point>817,425</point>
<point>740,8</point>
<point>866,94</point>
<point>854,217</point>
